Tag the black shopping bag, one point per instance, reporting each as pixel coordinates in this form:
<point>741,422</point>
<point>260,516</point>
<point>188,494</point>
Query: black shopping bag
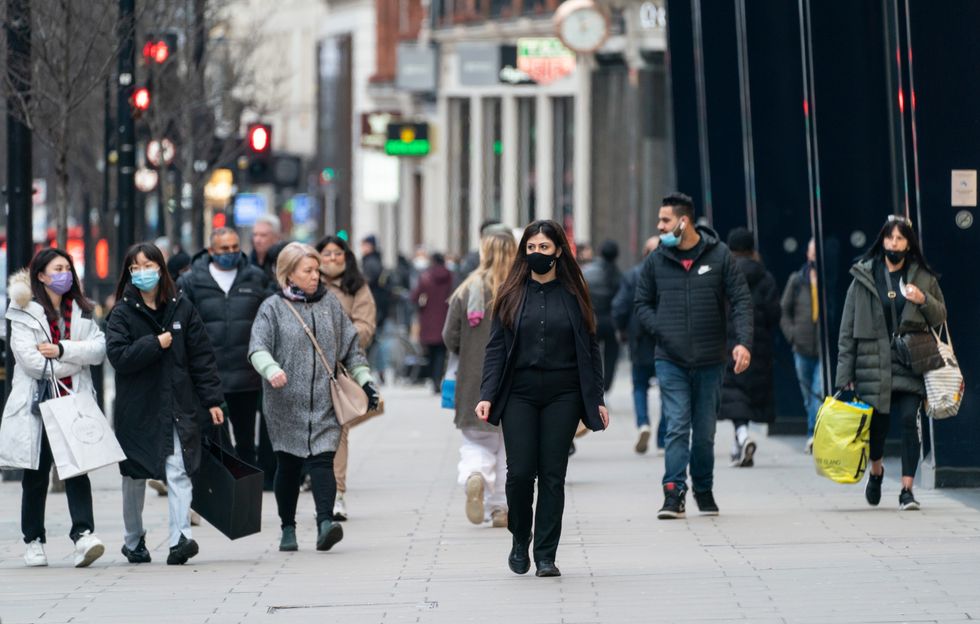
<point>228,492</point>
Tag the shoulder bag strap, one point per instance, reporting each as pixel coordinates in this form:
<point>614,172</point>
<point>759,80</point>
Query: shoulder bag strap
<point>891,301</point>
<point>309,333</point>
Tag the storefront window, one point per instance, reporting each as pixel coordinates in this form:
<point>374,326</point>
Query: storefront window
<point>563,114</point>
<point>526,165</point>
<point>459,172</point>
<point>493,148</point>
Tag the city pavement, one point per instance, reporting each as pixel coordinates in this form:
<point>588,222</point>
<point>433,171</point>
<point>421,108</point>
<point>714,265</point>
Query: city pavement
<point>788,547</point>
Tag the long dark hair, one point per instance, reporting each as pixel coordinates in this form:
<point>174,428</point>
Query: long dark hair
<point>165,290</point>
<point>351,279</point>
<point>40,261</point>
<point>904,227</point>
<point>508,300</point>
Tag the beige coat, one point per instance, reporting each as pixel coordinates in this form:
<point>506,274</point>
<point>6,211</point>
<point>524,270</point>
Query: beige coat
<point>361,310</point>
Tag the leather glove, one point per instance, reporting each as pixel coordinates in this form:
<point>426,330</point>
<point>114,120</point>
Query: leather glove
<point>374,399</point>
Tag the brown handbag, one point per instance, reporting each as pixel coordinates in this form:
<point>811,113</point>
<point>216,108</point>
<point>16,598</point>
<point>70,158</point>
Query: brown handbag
<point>350,402</point>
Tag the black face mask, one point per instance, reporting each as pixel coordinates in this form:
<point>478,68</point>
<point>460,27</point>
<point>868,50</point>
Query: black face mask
<point>895,257</point>
<point>541,263</point>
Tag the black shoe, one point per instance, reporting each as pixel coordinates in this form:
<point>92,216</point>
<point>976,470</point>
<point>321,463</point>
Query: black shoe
<point>546,568</point>
<point>519,561</point>
<point>330,533</point>
<point>907,502</point>
<point>706,503</point>
<point>182,552</point>
<point>571,449</point>
<point>673,502</point>
<point>137,555</point>
<point>872,493</point>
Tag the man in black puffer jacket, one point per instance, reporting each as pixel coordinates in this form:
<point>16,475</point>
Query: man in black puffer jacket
<point>682,297</point>
<point>227,291</point>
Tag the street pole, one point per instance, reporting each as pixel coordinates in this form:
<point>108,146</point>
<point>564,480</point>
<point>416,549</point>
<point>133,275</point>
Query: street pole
<point>127,134</point>
<point>20,237</point>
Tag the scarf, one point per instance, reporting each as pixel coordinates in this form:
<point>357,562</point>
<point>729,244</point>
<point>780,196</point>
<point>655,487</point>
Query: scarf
<point>294,293</point>
<point>56,336</point>
<point>476,308</point>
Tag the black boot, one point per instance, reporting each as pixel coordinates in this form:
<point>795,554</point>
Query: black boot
<point>519,561</point>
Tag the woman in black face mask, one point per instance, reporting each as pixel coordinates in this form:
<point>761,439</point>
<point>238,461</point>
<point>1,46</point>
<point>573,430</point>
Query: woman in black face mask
<point>894,294</point>
<point>542,374</point>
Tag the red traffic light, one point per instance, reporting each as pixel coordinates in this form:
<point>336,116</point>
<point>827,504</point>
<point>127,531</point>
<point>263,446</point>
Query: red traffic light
<point>141,99</point>
<point>259,137</point>
<point>156,51</point>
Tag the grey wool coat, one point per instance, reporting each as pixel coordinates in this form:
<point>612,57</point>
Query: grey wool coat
<point>865,352</point>
<point>300,415</point>
<point>470,344</point>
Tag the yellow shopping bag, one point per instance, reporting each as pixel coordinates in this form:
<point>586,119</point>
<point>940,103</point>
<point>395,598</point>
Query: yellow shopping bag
<point>841,440</point>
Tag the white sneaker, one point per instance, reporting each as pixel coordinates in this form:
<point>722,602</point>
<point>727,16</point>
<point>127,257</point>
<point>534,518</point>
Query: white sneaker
<point>88,548</point>
<point>35,557</point>
<point>474,498</point>
<point>808,449</point>
<point>643,442</point>
<point>339,508</point>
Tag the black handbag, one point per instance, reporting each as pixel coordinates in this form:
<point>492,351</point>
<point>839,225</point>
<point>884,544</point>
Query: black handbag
<point>43,388</point>
<point>917,350</point>
<point>228,492</point>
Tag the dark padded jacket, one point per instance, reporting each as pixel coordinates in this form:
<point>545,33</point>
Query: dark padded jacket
<point>687,310</point>
<point>228,317</point>
<point>603,278</point>
<point>642,345</point>
<point>797,319</point>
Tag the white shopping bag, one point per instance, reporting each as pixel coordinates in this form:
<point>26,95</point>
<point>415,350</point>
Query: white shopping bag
<point>79,434</point>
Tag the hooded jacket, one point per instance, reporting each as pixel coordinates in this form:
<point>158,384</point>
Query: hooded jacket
<point>686,310</point>
<point>797,319</point>
<point>431,295</point>
<point>20,431</point>
<point>228,317</point>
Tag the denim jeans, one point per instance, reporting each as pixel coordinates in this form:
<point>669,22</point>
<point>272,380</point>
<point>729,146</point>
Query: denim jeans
<point>691,400</point>
<point>811,386</point>
<point>642,374</point>
<point>179,495</point>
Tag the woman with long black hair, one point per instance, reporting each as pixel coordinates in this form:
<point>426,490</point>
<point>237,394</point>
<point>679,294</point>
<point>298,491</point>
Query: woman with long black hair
<point>52,333</point>
<point>894,293</point>
<point>542,374</point>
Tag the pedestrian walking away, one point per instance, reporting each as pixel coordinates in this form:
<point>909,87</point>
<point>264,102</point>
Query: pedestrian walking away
<point>166,380</point>
<point>682,297</point>
<point>227,292</point>
<point>542,374</point>
<point>341,276</point>
<point>303,427</point>
<point>604,277</point>
<point>799,323</point>
<point>748,397</point>
<point>431,295</point>
<point>51,333</point>
<point>894,295</point>
<point>482,467</point>
<point>642,352</point>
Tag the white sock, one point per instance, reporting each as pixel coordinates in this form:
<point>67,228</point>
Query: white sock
<point>741,434</point>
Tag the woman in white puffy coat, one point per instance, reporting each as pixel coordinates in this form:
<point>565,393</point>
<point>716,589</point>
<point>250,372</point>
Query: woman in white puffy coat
<point>51,332</point>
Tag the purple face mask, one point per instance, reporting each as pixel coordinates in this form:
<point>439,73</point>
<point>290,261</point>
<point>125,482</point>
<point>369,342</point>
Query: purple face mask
<point>61,282</point>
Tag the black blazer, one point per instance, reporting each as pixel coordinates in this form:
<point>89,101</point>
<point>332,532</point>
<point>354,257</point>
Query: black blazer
<point>498,364</point>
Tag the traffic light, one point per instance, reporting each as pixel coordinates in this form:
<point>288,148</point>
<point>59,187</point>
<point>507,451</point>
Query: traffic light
<point>140,101</point>
<point>258,143</point>
<point>159,48</point>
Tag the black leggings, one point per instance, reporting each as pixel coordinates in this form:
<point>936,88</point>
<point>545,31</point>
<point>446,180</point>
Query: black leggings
<point>539,422</point>
<point>35,494</point>
<point>242,408</point>
<point>905,409</point>
<point>289,476</point>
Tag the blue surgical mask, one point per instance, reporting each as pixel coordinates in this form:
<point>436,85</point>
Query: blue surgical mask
<point>226,261</point>
<point>672,239</point>
<point>146,279</point>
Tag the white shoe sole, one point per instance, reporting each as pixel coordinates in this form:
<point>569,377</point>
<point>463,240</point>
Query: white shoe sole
<point>670,515</point>
<point>90,556</point>
<point>36,564</point>
<point>643,444</point>
<point>475,512</point>
<point>914,506</point>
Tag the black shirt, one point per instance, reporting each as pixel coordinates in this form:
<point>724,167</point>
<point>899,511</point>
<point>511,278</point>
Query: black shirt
<point>896,277</point>
<point>546,338</point>
<point>687,256</point>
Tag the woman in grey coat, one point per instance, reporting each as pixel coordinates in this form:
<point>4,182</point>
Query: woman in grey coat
<point>893,285</point>
<point>302,425</point>
<point>482,460</point>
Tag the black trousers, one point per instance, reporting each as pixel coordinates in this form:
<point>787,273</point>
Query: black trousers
<point>606,335</point>
<point>35,495</point>
<point>539,422</point>
<point>242,408</point>
<point>905,410</point>
<point>436,355</point>
<point>289,477</point>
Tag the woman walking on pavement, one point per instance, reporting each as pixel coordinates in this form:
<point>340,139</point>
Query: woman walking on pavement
<point>51,333</point>
<point>482,460</point>
<point>303,427</point>
<point>342,278</point>
<point>894,292</point>
<point>542,374</point>
<point>166,379</point>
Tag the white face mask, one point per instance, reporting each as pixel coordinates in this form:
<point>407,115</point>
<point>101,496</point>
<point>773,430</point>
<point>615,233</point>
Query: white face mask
<point>421,264</point>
